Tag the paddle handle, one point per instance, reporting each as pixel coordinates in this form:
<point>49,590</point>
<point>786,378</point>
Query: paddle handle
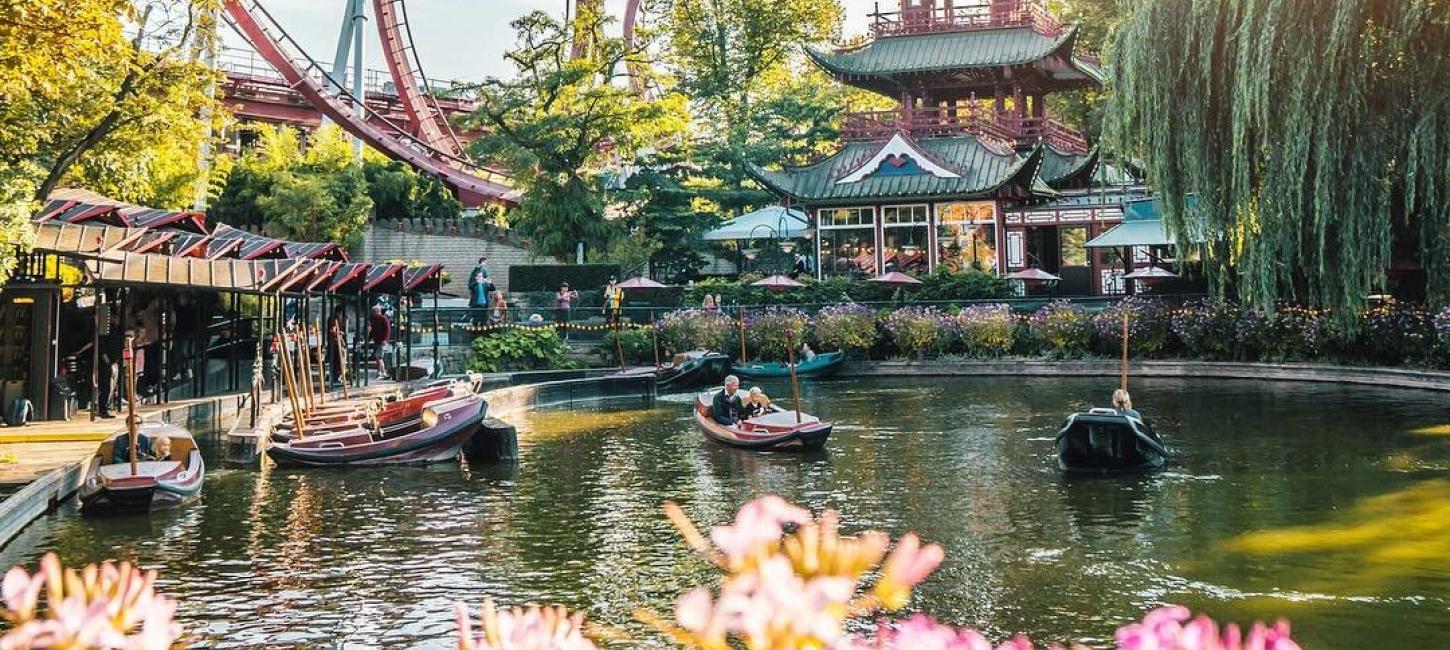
<point>1125,350</point>
<point>128,354</point>
<point>795,387</point>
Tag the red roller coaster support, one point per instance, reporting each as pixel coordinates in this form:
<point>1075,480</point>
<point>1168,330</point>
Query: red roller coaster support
<point>248,17</point>
<point>397,39</point>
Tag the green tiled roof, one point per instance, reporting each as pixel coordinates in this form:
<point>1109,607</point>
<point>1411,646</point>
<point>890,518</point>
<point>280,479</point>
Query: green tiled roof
<point>949,51</point>
<point>983,170</point>
<point>1060,169</point>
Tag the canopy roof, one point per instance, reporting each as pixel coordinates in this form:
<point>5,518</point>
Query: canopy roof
<point>884,63</point>
<point>76,205</point>
<point>1143,226</point>
<point>774,221</point>
<point>961,167</point>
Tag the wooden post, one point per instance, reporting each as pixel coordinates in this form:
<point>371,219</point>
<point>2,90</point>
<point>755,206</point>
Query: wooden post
<point>133,423</point>
<point>304,365</point>
<point>742,335</point>
<point>654,336</point>
<point>285,361</point>
<point>321,366</point>
<point>619,347</point>
<point>795,387</point>
<point>1125,349</point>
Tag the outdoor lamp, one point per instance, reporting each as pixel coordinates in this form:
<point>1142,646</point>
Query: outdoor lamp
<point>750,253</point>
<point>787,246</point>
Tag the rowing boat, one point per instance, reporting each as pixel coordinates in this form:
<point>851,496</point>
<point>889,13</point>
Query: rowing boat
<point>442,429</point>
<point>778,430</point>
<point>160,480</point>
<point>821,365</point>
<point>1104,441</point>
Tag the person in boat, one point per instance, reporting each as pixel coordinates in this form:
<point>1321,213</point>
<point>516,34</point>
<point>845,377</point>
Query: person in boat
<point>807,353</point>
<point>727,407</point>
<point>160,449</point>
<point>757,404</point>
<point>1123,404</point>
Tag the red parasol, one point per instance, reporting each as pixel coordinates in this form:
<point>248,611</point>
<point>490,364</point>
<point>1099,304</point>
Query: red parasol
<point>640,283</point>
<point>1151,274</point>
<point>777,283</point>
<point>895,279</point>
<point>1033,275</point>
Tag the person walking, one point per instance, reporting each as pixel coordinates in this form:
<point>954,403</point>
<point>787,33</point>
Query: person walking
<point>380,330</point>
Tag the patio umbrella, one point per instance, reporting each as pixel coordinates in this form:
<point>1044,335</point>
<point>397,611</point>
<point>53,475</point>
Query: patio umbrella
<point>895,279</point>
<point>777,283</point>
<point>640,283</point>
<point>1150,274</point>
<point>1033,275</point>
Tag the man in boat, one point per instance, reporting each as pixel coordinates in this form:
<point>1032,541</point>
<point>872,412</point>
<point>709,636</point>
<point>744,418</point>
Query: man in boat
<point>726,407</point>
<point>1123,404</point>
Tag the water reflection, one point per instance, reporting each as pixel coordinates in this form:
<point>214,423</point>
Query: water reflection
<point>375,557</point>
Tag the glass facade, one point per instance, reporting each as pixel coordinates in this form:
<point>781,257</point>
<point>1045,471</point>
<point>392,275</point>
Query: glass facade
<point>966,236</point>
<point>905,244</point>
<point>847,239</point>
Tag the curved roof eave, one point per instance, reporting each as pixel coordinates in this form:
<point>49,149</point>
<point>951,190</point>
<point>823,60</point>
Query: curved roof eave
<point>829,61</point>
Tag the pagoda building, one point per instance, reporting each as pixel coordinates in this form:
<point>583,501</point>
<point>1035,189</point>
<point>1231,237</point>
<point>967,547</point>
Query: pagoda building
<point>968,170</point>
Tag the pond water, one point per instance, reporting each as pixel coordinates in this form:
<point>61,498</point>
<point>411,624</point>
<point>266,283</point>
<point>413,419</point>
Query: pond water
<point>1326,504</point>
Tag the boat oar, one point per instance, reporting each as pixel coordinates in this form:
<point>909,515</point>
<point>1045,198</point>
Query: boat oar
<point>619,347</point>
<point>654,337</point>
<point>284,360</point>
<point>795,387</point>
<point>321,367</point>
<point>304,368</point>
<point>342,362</point>
<point>128,355</point>
<point>742,335</point>
<point>1125,349</point>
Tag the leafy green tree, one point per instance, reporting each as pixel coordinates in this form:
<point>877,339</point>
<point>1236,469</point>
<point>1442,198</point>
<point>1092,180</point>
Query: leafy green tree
<point>666,216</point>
<point>17,186</point>
<point>1314,135</point>
<point>560,121</point>
<point>105,93</point>
<point>390,186</point>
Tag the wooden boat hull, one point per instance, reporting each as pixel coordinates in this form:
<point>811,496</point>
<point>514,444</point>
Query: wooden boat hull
<point>823,365</point>
<point>1102,441</point>
<point>111,489</point>
<point>392,417</point>
<point>453,423</point>
<point>776,432</point>
<point>703,370</point>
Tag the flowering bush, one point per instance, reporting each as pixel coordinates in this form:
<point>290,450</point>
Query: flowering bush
<point>1207,328</point>
<point>984,330</point>
<point>102,606</point>
<point>1397,332</point>
<point>916,331</point>
<point>1148,326</point>
<point>1062,329</point>
<point>689,329</point>
<point>518,348</point>
<point>771,330</point>
<point>849,327</point>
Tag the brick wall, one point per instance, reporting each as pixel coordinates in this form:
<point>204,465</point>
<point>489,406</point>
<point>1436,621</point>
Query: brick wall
<point>459,253</point>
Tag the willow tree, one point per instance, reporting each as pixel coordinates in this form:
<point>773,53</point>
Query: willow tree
<point>1315,135</point>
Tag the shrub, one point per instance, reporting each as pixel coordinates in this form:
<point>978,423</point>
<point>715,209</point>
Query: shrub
<point>771,330</point>
<point>637,344</point>
<point>849,327</point>
<point>689,329</point>
<point>518,348</point>
<point>967,285</point>
<point>1397,332</point>
<point>1148,326</point>
<point>1206,328</point>
<point>1062,329</point>
<point>984,330</point>
<point>1442,336</point>
<point>916,331</point>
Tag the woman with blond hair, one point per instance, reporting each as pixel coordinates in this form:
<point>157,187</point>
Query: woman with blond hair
<point>1123,404</point>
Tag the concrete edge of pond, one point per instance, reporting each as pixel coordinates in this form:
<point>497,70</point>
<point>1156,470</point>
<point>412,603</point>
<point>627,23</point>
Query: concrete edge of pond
<point>1322,373</point>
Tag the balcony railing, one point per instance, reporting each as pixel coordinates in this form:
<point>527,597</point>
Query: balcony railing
<point>1004,129</point>
<point>977,14</point>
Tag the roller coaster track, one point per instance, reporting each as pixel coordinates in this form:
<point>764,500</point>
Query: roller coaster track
<point>473,185</point>
<point>407,71</point>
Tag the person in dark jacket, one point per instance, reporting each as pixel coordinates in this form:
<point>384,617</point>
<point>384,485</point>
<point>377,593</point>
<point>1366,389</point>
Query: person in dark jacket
<point>727,408</point>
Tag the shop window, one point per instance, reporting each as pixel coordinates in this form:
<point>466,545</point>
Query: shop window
<point>966,236</point>
<point>847,241</point>
<point>905,238</point>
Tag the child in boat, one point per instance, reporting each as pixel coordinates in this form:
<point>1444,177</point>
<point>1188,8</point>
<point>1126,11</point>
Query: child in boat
<point>160,449</point>
<point>1123,404</point>
<point>757,404</point>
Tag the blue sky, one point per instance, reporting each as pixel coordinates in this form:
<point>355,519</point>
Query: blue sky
<point>457,39</point>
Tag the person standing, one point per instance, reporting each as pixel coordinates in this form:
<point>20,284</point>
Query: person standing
<point>479,285</point>
<point>380,330</point>
<point>110,355</point>
<point>563,303</point>
<point>336,340</point>
<point>613,301</point>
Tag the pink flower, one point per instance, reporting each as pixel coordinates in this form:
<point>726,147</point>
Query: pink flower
<point>535,628</point>
<point>920,632</point>
<point>758,524</point>
<point>104,606</point>
<point>907,565</point>
<point>1170,628</point>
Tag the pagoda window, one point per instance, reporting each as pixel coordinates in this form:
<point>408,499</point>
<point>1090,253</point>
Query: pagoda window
<point>966,236</point>
<point>847,242</point>
<point>904,233</point>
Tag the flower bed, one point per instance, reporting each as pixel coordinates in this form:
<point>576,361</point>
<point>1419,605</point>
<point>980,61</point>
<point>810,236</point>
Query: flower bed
<point>1393,334</point>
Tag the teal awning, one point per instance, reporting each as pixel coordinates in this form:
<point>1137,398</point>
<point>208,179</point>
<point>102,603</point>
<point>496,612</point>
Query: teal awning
<point>1142,226</point>
<point>767,223</point>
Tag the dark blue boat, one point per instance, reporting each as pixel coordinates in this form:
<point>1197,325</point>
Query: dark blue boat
<point>1104,441</point>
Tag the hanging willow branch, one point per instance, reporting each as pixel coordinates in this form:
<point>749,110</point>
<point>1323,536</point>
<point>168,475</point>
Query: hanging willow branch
<point>1315,135</point>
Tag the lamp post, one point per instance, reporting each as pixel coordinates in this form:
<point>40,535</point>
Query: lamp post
<point>783,242</point>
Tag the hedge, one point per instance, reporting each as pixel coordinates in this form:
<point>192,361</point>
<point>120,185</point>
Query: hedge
<point>548,277</point>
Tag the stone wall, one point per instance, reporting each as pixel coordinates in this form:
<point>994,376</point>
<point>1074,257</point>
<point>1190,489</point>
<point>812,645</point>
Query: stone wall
<point>457,252</point>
